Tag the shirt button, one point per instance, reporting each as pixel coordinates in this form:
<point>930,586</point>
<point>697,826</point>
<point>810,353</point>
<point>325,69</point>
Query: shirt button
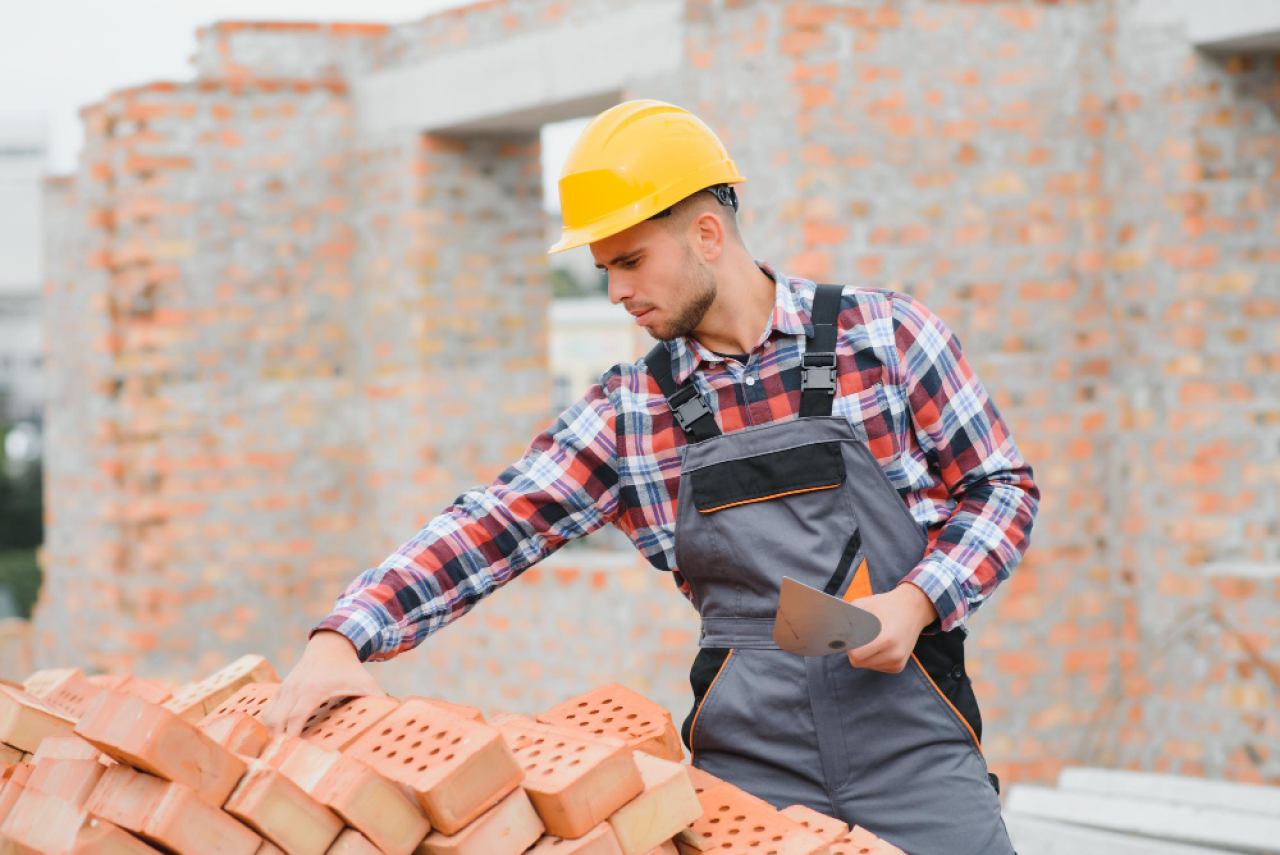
<point>751,381</point>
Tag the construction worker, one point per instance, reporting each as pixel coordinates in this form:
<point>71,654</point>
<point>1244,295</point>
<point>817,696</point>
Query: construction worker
<point>834,434</point>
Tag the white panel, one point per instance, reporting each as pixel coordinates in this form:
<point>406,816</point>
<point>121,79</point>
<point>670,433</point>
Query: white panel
<point>1032,836</point>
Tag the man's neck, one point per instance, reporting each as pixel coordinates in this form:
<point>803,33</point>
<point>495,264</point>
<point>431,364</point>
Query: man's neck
<point>745,298</point>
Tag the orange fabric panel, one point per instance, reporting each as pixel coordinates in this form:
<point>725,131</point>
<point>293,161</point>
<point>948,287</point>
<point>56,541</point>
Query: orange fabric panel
<point>861,584</point>
<point>766,498</point>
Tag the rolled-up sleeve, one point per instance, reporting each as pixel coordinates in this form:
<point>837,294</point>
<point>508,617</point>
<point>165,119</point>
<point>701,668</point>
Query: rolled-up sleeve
<point>962,434</point>
<point>564,486</point>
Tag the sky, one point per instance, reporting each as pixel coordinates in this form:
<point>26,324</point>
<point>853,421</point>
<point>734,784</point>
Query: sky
<point>56,56</point>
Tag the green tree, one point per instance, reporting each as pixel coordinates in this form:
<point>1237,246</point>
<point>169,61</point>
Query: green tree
<point>21,528</point>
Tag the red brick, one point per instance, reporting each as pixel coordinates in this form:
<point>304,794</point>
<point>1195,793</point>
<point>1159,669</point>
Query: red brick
<point>456,768</point>
<point>25,721</point>
<point>186,823</point>
<point>156,740</point>
<point>237,732</point>
<point>43,821</point>
<point>667,806</point>
<point>574,783</point>
<point>69,780</point>
<point>352,842</point>
<point>826,827</point>
<point>195,700</point>
<point>72,694</point>
<point>616,712</point>
<point>367,802</point>
<point>280,811</point>
<point>598,841</point>
<point>69,747</point>
<point>339,723</point>
<point>13,786</point>
<point>859,841</point>
<point>734,818</point>
<point>508,828</point>
<point>99,837</point>
<point>126,797</point>
<point>250,699</point>
<point>10,755</point>
<point>155,691</point>
<point>9,846</point>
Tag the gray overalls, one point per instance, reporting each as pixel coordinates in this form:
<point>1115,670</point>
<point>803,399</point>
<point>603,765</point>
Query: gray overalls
<point>806,498</point>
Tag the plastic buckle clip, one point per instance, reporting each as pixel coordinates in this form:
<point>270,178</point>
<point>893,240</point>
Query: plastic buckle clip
<point>689,410</point>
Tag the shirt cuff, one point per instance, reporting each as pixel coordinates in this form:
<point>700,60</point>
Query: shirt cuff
<point>939,577</point>
<point>369,629</point>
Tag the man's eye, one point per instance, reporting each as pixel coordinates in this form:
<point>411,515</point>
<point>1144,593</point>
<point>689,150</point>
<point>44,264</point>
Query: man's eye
<point>630,264</point>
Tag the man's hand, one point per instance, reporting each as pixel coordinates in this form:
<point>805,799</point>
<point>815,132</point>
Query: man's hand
<point>903,613</point>
<point>329,668</point>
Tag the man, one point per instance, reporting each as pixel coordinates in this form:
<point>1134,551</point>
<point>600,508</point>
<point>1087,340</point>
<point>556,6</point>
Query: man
<point>835,435</point>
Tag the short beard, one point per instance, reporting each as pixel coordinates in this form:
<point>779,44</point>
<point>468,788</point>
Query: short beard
<point>692,313</point>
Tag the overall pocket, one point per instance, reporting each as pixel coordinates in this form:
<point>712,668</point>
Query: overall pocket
<point>708,666</point>
<point>941,660</point>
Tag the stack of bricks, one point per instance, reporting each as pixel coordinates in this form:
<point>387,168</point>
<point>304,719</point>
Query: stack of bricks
<point>118,764</point>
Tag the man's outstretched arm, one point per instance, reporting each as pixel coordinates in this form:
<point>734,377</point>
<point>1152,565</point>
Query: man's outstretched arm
<point>564,486</point>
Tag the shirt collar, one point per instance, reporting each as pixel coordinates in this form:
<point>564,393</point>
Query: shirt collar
<point>791,308</point>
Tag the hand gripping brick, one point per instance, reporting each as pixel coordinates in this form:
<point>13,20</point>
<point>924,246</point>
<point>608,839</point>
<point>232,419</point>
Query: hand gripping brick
<point>195,700</point>
<point>616,712</point>
<point>667,806</point>
<point>828,828</point>
<point>154,739</point>
<point>25,721</point>
<point>368,802</point>
<point>456,768</point>
<point>736,819</point>
<point>598,841</point>
<point>280,811</point>
<point>336,725</point>
<point>508,828</point>
<point>574,783</point>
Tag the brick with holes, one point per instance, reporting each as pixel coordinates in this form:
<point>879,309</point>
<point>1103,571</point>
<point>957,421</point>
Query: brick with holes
<point>368,802</point>
<point>828,828</point>
<point>734,818</point>
<point>25,721</point>
<point>156,740</point>
<point>456,768</point>
<point>509,827</point>
<point>617,712</point>
<point>859,841</point>
<point>281,812</point>
<point>352,842</point>
<point>574,782</point>
<point>237,732</point>
<point>70,780</point>
<point>156,691</point>
<point>67,690</point>
<point>250,699</point>
<point>598,841</point>
<point>337,724</point>
<point>195,700</point>
<point>667,806</point>
<point>461,710</point>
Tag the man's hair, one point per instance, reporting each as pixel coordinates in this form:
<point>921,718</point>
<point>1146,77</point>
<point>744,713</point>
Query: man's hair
<point>720,199</point>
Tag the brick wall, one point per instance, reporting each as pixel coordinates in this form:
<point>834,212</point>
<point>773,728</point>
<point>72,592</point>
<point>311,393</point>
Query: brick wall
<point>255,400</point>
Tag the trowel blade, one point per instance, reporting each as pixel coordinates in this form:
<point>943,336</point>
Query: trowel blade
<point>812,623</point>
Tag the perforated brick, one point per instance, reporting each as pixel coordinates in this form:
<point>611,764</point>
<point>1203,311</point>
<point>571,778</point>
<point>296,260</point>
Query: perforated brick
<point>703,781</point>
<point>156,740</point>
<point>617,712</point>
<point>340,722</point>
<point>155,691</point>
<point>734,819</point>
<point>195,700</point>
<point>184,822</point>
<point>575,783</point>
<point>457,768</point>
<point>508,828</point>
<point>597,841</point>
<point>859,841</point>
<point>281,812</point>
<point>70,747</point>
<point>667,805</point>
<point>69,780</point>
<point>828,828</point>
<point>250,699</point>
<point>42,682</point>
<point>25,721</point>
<point>460,710</point>
<point>65,689</point>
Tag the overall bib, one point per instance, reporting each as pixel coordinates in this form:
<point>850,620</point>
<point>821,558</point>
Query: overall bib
<point>807,499</point>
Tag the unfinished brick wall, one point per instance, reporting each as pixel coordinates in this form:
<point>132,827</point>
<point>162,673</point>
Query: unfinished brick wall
<point>260,396</point>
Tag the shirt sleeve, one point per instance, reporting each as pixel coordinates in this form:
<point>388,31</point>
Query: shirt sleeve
<point>564,486</point>
<point>968,445</point>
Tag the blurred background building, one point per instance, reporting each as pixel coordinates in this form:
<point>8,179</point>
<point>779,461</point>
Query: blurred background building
<point>294,304</point>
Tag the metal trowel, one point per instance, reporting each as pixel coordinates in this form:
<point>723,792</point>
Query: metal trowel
<point>812,623</point>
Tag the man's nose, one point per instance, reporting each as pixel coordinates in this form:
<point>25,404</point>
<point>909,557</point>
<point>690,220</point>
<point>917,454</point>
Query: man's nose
<point>619,287</point>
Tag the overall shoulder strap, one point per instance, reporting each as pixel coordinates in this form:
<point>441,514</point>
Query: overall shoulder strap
<point>690,411</point>
<point>818,374</point>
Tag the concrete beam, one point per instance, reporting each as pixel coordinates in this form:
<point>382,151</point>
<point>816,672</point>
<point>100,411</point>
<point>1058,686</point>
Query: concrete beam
<point>572,69</point>
<point>1223,25</point>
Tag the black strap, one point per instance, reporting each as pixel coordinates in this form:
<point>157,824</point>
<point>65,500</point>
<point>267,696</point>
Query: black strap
<point>818,371</point>
<point>691,412</point>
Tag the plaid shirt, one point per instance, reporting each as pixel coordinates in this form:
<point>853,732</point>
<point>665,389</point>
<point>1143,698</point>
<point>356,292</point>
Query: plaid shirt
<point>613,457</point>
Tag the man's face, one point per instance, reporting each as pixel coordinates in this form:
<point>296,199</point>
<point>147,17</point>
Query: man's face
<point>656,275</point>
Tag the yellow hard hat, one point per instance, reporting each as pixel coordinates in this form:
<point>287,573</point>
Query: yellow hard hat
<point>632,161</point>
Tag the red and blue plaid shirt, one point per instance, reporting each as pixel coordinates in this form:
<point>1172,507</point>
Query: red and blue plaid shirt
<point>613,457</point>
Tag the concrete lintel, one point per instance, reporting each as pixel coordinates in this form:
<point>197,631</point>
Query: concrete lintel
<point>528,80</point>
<point>1223,25</point>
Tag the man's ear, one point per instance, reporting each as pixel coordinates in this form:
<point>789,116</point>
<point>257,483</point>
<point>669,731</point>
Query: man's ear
<point>708,236</point>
